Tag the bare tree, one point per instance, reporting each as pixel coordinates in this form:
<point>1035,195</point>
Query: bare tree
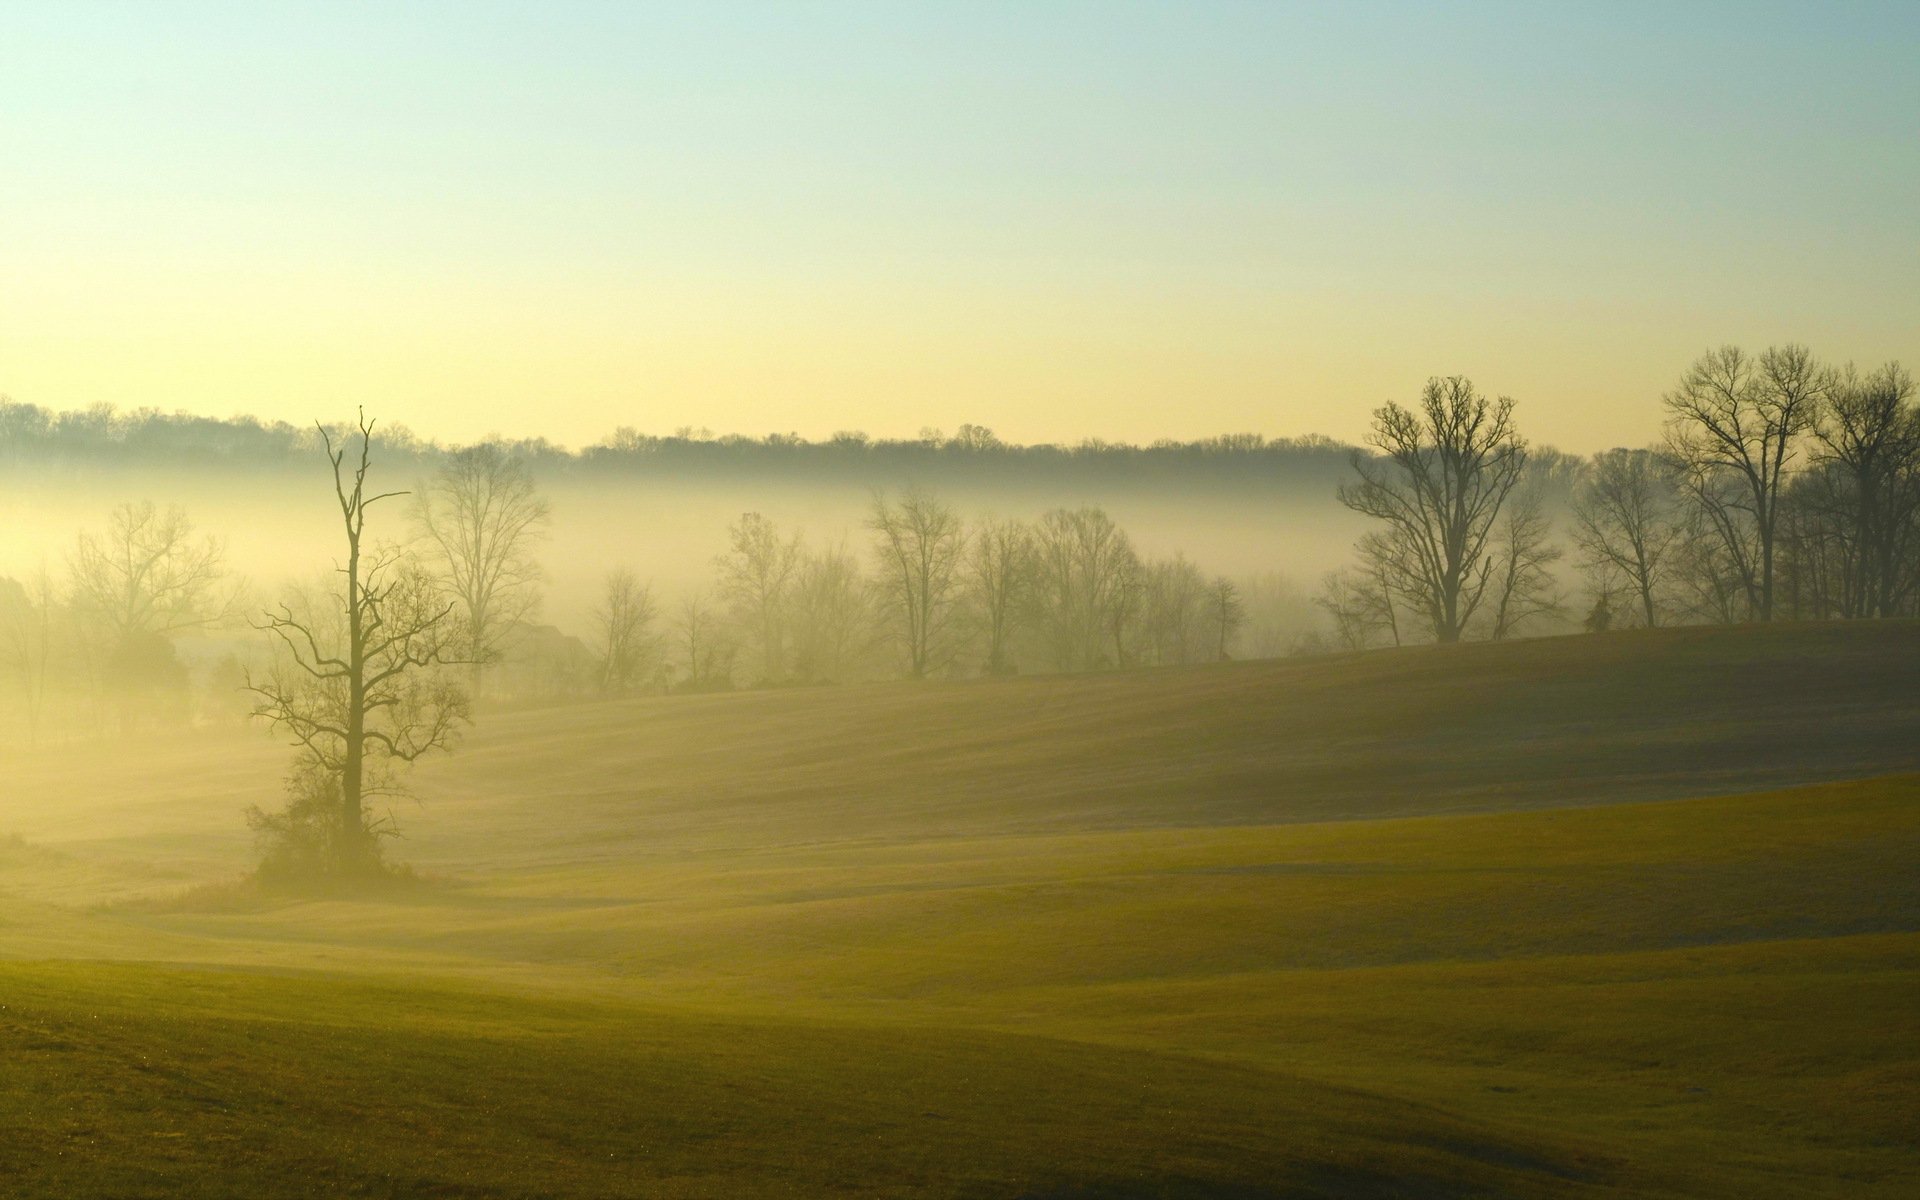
<point>921,547</point>
<point>1359,606</point>
<point>357,686</point>
<point>755,578</point>
<point>999,581</point>
<point>1173,613</point>
<point>1733,425</point>
<point>482,517</point>
<point>1385,578</point>
<point>1227,612</point>
<point>135,587</point>
<point>1820,562</point>
<point>1085,580</point>
<point>1124,606</point>
<point>1869,433</point>
<point>833,617</point>
<point>1627,522</point>
<point>623,631</point>
<point>706,643</point>
<point>148,574</point>
<point>26,640</point>
<point>1717,569</point>
<point>1523,556</point>
<point>1438,483</point>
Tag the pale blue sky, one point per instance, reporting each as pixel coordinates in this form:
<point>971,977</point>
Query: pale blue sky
<point>1059,220</point>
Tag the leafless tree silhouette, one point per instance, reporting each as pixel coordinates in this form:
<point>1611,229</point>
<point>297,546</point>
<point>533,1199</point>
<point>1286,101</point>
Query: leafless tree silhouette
<point>482,517</point>
<point>1523,556</point>
<point>623,629</point>
<point>1734,423</point>
<point>1628,523</point>
<point>833,615</point>
<point>148,573</point>
<point>1358,606</point>
<point>707,644</point>
<point>1869,434</point>
<point>358,686</point>
<point>920,545</point>
<point>1439,482</point>
<point>1174,613</point>
<point>26,640</point>
<point>756,577</point>
<point>1086,583</point>
<point>999,583</point>
<point>1227,612</point>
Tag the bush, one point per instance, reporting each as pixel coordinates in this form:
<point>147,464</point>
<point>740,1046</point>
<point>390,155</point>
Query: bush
<point>305,843</point>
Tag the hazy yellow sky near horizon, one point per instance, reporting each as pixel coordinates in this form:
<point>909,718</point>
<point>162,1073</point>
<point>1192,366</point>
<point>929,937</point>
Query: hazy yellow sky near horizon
<point>1059,221</point>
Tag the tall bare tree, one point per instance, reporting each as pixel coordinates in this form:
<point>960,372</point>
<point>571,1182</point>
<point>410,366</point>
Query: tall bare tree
<point>921,546</point>
<point>1438,482</point>
<point>756,579</point>
<point>146,579</point>
<point>834,617</point>
<point>999,580</point>
<point>1360,607</point>
<point>1382,562</point>
<point>26,640</point>
<point>1734,423</point>
<point>1086,583</point>
<point>148,574</point>
<point>1628,523</point>
<point>1717,568</point>
<point>358,684</point>
<point>1124,608</point>
<point>1523,556</point>
<point>1820,560</point>
<point>707,644</point>
<point>1227,613</point>
<point>623,630</point>
<point>1173,613</point>
<point>1869,432</point>
<point>482,517</point>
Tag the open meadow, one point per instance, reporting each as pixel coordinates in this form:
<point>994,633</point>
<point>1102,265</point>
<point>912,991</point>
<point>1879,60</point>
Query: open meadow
<point>956,601</point>
<point>1635,915</point>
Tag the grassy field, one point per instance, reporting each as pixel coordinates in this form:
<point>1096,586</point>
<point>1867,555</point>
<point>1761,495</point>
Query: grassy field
<point>1620,916</point>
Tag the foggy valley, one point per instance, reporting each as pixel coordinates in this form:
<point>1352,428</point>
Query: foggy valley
<point>855,757</point>
<point>1202,602</point>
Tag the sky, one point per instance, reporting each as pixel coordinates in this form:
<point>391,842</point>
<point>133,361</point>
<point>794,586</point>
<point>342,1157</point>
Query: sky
<point>1058,220</point>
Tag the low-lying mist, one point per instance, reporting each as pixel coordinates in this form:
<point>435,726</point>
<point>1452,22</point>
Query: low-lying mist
<point>1269,523</point>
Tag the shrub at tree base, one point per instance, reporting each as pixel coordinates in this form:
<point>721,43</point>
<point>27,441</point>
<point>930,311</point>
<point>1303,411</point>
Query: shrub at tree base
<point>304,845</point>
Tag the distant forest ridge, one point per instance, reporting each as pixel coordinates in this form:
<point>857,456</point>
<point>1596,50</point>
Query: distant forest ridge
<point>106,436</point>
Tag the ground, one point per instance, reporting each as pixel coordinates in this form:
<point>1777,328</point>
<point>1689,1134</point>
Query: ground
<point>1626,915</point>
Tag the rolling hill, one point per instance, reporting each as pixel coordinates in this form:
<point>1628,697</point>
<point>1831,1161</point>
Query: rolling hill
<point>1626,915</point>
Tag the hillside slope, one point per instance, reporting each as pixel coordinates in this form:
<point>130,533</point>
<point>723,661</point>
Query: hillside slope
<point>1563,721</point>
<point>1469,921</point>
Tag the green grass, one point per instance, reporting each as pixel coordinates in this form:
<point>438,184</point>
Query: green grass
<point>297,1085</point>
<point>668,954</point>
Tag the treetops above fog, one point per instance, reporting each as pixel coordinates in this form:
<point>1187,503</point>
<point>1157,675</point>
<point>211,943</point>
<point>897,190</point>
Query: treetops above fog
<point>106,431</point>
<point>102,434</point>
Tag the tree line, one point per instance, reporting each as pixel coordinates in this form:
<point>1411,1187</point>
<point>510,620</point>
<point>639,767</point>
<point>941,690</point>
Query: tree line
<point>929,594</point>
<point>104,435</point>
<point>1783,487</point>
<point>381,660</point>
<point>921,592</point>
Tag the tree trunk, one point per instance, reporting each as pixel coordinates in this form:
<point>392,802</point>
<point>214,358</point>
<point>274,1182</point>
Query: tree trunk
<point>1766,575</point>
